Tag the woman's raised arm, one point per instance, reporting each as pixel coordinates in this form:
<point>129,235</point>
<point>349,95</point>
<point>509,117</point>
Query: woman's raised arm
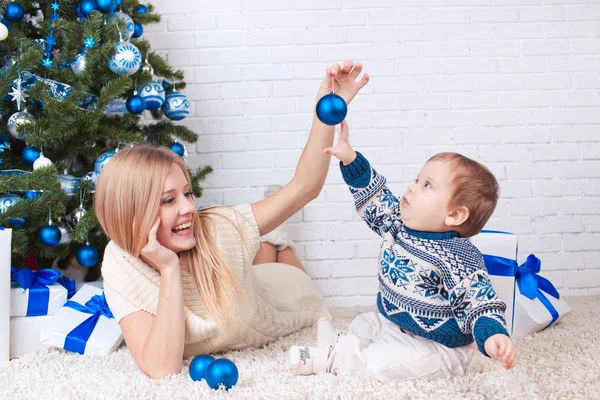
<point>313,165</point>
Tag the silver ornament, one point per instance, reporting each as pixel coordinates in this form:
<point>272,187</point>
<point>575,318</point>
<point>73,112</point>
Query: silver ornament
<point>147,67</point>
<point>9,60</point>
<point>41,162</point>
<point>127,59</point>
<point>78,64</point>
<point>65,231</point>
<point>78,214</point>
<point>17,120</point>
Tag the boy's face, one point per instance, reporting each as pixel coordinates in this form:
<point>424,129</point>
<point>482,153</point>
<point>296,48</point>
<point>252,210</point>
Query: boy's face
<point>424,206</point>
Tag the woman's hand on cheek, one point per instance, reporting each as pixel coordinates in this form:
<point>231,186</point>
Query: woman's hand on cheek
<point>156,255</point>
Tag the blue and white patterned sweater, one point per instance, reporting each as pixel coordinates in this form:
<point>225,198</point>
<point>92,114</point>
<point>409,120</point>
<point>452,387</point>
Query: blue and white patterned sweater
<point>434,285</point>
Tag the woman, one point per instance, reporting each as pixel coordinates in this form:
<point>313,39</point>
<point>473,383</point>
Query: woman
<point>181,282</point>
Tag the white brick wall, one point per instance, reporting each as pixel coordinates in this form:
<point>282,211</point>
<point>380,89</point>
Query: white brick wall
<point>512,83</point>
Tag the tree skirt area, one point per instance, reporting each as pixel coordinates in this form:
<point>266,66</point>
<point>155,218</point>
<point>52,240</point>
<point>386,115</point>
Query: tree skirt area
<point>561,362</point>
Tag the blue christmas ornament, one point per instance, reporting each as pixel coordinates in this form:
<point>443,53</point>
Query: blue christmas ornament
<point>176,106</point>
<point>221,373</point>
<point>127,33</point>
<point>331,109</point>
<point>106,6</point>
<point>154,94</point>
<point>166,84</point>
<point>14,12</point>
<point>138,30</point>
<point>135,104</point>
<point>86,7</point>
<point>127,59</point>
<point>32,194</point>
<point>8,200</point>
<point>178,149</point>
<point>87,256</point>
<point>198,366</point>
<point>142,9</point>
<point>100,163</point>
<point>49,235</point>
<point>30,154</point>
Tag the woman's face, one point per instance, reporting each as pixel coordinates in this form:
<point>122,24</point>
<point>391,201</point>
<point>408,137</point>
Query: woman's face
<point>176,212</point>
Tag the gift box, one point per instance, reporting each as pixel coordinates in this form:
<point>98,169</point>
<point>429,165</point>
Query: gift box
<point>499,251</point>
<point>5,275</point>
<point>85,325</point>
<point>538,303</point>
<point>25,334</point>
<point>35,293</point>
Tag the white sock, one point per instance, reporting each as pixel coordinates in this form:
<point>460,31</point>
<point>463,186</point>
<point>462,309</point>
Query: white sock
<point>327,335</point>
<point>305,360</point>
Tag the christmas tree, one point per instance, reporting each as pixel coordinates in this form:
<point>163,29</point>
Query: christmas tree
<point>77,77</point>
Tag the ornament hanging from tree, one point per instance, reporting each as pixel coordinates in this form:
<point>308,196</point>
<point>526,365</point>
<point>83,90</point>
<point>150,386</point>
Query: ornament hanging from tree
<point>126,60</point>
<point>18,121</point>
<point>41,162</point>
<point>49,235</point>
<point>87,256</point>
<point>176,106</point>
<point>154,94</point>
<point>129,26</point>
<point>14,12</point>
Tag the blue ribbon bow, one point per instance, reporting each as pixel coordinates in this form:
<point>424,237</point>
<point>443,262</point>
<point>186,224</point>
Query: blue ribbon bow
<point>76,340</point>
<point>37,282</point>
<point>533,285</point>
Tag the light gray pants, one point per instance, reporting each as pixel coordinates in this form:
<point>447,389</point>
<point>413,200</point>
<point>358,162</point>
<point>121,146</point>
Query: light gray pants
<point>375,347</point>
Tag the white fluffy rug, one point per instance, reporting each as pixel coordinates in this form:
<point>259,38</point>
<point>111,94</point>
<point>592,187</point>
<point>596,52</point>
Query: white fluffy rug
<point>562,362</point>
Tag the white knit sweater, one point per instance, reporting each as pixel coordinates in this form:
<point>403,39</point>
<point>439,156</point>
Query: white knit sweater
<point>277,299</point>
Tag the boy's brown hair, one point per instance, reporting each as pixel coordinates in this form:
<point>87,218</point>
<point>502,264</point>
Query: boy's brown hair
<point>475,187</point>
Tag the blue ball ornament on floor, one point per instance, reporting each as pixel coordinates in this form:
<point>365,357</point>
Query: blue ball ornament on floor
<point>135,104</point>
<point>87,256</point>
<point>49,235</point>
<point>14,12</point>
<point>198,366</point>
<point>86,7</point>
<point>221,373</point>
<point>30,154</point>
<point>106,6</point>
<point>331,109</point>
<point>138,30</point>
<point>178,149</point>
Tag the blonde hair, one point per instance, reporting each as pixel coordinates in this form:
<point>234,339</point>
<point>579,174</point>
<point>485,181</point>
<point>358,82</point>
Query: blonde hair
<point>127,200</point>
<point>475,187</point>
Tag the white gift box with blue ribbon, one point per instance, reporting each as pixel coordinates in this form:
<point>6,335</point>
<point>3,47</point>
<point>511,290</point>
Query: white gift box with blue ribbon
<point>36,293</point>
<point>85,325</point>
<point>538,303</point>
<point>499,251</point>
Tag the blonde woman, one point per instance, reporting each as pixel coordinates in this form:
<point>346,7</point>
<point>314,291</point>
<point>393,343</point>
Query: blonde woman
<point>181,281</point>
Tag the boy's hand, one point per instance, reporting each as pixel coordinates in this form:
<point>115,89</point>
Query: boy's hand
<point>346,85</point>
<point>342,150</point>
<point>501,348</point>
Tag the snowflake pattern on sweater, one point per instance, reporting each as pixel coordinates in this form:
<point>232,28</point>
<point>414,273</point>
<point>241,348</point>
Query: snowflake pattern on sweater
<point>434,285</point>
